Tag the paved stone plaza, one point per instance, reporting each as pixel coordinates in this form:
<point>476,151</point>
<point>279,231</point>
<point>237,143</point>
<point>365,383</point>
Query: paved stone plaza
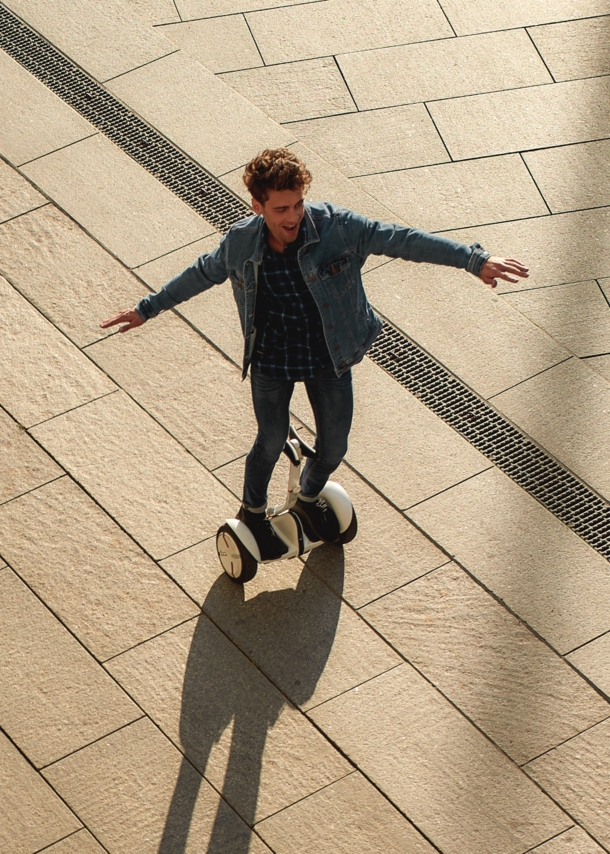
<point>441,684</point>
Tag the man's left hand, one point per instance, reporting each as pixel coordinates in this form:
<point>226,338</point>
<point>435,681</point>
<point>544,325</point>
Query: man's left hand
<point>502,268</point>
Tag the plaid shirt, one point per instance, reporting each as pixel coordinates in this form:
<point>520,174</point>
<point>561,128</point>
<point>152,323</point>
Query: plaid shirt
<point>290,341</point>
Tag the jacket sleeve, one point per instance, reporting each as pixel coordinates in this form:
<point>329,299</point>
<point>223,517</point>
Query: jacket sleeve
<point>370,237</point>
<point>207,271</point>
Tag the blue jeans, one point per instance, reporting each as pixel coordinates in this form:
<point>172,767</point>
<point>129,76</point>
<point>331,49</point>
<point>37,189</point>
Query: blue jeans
<point>332,402</point>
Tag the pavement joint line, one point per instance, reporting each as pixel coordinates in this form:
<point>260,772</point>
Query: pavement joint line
<point>134,270</point>
<point>594,355</point>
<point>185,549</point>
<point>587,642</point>
<point>531,174</point>
<point>29,491</point>
<point>305,797</point>
<point>406,584</point>
<point>93,741</point>
<point>105,661</point>
<point>547,287</point>
<point>566,740</point>
<point>499,221</point>
<point>448,18</point>
<point>555,836</point>
<point>23,213</point>
<point>74,408</point>
<point>63,839</point>
<point>357,685</point>
<point>440,136</point>
<point>243,12</point>
<point>405,510</point>
<point>96,103</point>
<point>47,154</point>
<point>539,373</point>
<point>605,295</point>
<point>137,67</point>
<point>260,53</point>
<point>543,60</point>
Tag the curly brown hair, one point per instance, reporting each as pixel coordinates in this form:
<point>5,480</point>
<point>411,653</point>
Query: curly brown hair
<point>275,169</point>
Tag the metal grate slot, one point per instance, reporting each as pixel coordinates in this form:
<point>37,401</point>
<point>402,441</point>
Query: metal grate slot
<point>572,501</point>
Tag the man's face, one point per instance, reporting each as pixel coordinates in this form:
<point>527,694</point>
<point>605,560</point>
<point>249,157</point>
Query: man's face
<point>283,212</point>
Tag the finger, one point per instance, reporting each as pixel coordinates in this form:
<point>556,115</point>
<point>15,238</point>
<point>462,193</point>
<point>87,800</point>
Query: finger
<point>112,321</point>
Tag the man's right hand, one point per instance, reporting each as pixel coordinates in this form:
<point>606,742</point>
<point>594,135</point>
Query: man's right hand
<point>131,318</point>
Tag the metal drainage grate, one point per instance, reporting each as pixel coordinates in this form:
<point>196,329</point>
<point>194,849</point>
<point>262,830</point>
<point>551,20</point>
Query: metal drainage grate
<point>189,181</point>
<point>505,445</point>
<point>557,489</point>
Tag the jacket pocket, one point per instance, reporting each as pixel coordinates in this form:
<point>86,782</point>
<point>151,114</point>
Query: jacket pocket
<point>336,274</point>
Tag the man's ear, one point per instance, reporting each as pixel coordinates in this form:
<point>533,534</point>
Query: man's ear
<point>256,206</point>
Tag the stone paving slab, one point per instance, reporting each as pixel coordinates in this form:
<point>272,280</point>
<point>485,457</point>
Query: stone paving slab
<point>443,68</point>
<point>463,324</point>
<point>309,30</point>
<point>23,464</point>
<point>505,680</point>
<point>193,391</point>
<point>349,815</point>
<point>198,112</point>
<point>17,196</point>
<point>573,176</point>
<point>114,199</point>
<point>530,560</point>
<point>576,775</point>
<point>547,245</point>
<point>387,420</point>
<point>89,572</point>
<point>231,722</point>
<point>55,698</point>
<point>295,90</point>
<point>573,49</point>
<point>66,274</point>
<point>593,659</point>
<point>123,785</point>
<point>299,633</point>
<point>455,195</point>
<point>80,842</point>
<point>41,373</point>
<point>576,315</point>
<point>33,120</point>
<point>139,474</point>
<point>573,841</point>
<point>567,410</point>
<point>351,141</point>
<point>473,16</point>
<point>31,814</point>
<point>421,752</point>
<point>104,39</point>
<point>220,44</point>
<point>555,114</point>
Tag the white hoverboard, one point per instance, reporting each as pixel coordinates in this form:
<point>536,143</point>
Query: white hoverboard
<point>237,549</point>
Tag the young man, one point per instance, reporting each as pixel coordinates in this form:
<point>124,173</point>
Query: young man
<point>295,271</point>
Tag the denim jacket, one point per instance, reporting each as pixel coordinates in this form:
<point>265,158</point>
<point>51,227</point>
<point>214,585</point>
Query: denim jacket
<point>337,244</point>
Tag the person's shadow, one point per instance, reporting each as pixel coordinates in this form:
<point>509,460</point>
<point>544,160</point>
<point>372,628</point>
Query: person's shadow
<point>289,633</point>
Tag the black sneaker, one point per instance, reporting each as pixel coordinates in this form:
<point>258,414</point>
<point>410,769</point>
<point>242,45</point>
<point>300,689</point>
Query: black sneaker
<point>319,520</point>
<point>269,544</point>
